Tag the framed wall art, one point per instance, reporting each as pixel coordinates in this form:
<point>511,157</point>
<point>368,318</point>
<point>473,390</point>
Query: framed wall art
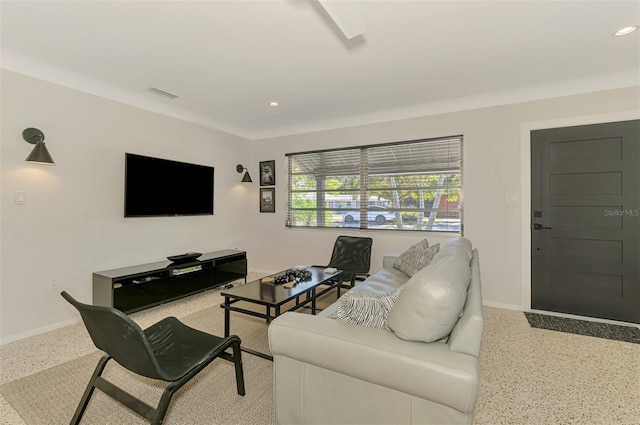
<point>267,173</point>
<point>268,199</point>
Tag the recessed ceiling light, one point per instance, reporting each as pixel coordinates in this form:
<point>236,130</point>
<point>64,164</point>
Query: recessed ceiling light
<point>274,104</point>
<point>625,31</point>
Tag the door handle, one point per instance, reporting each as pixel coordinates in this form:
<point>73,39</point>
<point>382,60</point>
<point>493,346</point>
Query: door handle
<point>540,227</point>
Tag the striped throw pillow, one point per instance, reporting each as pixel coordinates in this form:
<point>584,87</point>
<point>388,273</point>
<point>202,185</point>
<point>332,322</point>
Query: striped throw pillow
<point>366,308</point>
<point>417,257</point>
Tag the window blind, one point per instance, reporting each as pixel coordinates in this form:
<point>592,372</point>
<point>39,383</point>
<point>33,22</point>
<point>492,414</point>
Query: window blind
<point>412,185</point>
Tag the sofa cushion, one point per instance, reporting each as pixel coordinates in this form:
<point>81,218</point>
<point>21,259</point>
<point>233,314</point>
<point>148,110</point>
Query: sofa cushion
<point>416,257</point>
<point>384,280</point>
<point>431,301</point>
<point>366,308</point>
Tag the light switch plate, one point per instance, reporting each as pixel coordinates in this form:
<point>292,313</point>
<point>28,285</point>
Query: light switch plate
<point>511,198</point>
<point>20,197</point>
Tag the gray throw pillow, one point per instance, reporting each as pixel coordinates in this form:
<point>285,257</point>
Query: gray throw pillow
<point>416,257</point>
<point>366,308</point>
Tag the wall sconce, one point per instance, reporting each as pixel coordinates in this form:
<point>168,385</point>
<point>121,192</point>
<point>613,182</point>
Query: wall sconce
<point>39,154</point>
<point>247,177</point>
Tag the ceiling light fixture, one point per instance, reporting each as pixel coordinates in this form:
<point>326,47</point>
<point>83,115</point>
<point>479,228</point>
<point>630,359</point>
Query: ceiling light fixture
<point>345,16</point>
<point>625,30</point>
<point>274,104</point>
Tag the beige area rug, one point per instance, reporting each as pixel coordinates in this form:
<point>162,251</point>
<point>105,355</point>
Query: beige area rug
<point>51,396</point>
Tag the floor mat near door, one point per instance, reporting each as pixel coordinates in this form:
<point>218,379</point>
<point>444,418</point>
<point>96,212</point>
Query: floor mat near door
<point>584,327</point>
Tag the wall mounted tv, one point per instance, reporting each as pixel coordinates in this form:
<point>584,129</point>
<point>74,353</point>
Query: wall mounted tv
<point>161,187</point>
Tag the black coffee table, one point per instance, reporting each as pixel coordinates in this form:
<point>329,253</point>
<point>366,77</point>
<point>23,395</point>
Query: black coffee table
<point>273,297</point>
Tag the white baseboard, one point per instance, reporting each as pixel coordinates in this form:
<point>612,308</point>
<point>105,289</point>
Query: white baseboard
<point>553,313</point>
<point>38,331</point>
<point>503,306</point>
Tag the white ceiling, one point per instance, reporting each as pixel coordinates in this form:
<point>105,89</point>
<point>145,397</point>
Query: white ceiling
<point>228,59</point>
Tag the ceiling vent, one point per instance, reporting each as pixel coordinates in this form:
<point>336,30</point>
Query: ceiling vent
<point>163,93</point>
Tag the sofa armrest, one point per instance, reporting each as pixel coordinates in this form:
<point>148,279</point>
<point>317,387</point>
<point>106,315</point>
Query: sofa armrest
<point>429,371</point>
<point>388,260</point>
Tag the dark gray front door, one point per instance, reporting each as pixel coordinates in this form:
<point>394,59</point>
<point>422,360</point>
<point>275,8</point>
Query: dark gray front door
<point>585,231</point>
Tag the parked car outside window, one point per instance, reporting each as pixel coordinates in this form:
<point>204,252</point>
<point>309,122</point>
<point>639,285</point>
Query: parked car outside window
<point>375,213</point>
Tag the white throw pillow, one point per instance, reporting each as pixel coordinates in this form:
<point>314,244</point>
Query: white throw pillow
<point>366,308</point>
<point>431,301</point>
<point>416,257</point>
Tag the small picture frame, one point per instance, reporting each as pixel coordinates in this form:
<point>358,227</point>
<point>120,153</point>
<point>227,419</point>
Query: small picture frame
<point>267,173</point>
<point>268,199</point>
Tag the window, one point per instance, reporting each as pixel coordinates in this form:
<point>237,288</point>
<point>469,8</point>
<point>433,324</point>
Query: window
<point>415,185</point>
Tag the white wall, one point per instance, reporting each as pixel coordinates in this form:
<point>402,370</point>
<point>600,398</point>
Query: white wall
<point>493,139</point>
<point>72,224</point>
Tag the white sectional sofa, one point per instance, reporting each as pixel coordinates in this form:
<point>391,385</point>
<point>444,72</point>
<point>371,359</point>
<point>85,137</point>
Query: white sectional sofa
<point>328,371</point>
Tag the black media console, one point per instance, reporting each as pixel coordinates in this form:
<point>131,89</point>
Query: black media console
<point>135,288</point>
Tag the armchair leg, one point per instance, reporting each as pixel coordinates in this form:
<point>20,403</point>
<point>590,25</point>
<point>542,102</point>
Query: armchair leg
<point>88,392</point>
<point>171,389</point>
<point>237,361</point>
<point>163,405</point>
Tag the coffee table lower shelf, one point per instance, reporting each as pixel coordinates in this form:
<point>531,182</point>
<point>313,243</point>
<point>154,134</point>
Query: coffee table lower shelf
<point>274,297</point>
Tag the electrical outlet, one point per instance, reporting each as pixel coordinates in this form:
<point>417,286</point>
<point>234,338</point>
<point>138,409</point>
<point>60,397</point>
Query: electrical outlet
<point>53,282</point>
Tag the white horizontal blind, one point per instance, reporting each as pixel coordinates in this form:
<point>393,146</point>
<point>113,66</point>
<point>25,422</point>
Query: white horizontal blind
<point>413,185</point>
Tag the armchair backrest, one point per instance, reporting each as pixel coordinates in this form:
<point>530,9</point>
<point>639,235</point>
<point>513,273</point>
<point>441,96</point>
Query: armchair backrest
<point>351,254</point>
<point>116,334</point>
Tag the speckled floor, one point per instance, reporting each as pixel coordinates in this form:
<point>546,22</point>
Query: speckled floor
<point>539,376</point>
<point>527,375</point>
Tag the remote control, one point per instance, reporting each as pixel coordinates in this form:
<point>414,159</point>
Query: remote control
<point>182,258</point>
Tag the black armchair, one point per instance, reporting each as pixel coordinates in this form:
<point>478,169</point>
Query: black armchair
<point>168,350</point>
<point>352,255</point>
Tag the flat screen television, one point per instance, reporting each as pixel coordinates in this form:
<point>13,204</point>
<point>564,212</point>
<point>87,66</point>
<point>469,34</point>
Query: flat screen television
<point>161,187</point>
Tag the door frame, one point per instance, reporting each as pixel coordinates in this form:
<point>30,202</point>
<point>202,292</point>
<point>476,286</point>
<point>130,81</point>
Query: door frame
<point>525,189</point>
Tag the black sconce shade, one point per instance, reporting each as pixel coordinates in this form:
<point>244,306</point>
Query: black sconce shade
<point>39,154</point>
<point>246,178</point>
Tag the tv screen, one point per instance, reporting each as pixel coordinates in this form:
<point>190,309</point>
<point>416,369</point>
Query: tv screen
<point>160,187</point>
